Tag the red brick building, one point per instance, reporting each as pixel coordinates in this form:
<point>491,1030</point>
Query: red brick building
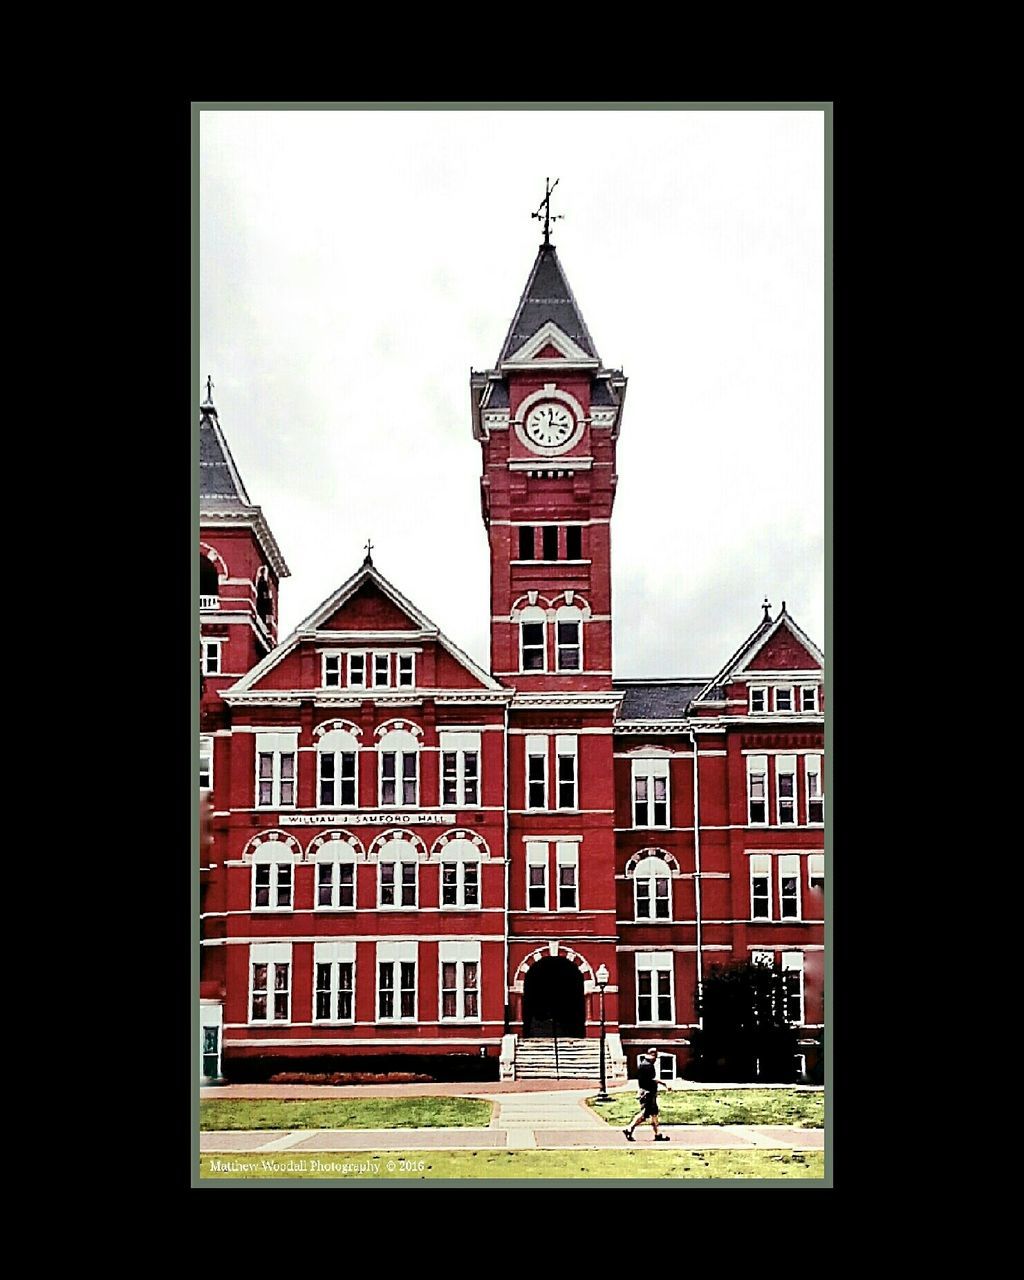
<point>413,856</point>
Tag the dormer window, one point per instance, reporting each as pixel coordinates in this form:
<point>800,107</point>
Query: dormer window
<point>406,678</point>
<point>809,697</point>
<point>758,700</point>
<point>332,671</point>
<point>357,670</point>
<point>784,697</point>
<point>381,670</point>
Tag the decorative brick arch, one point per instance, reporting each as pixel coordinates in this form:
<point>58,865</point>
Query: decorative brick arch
<point>552,949</point>
<point>397,833</point>
<point>328,726</point>
<point>337,835</point>
<point>400,723</point>
<point>272,837</point>
<point>675,870</point>
<point>531,600</point>
<point>215,558</point>
<point>459,834</point>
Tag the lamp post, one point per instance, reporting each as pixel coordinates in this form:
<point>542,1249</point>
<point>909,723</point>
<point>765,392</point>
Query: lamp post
<point>601,977</point>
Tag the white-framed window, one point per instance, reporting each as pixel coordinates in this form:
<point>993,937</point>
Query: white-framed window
<point>666,1066</point>
<point>758,699</point>
<point>764,958</point>
<point>381,670</point>
<point>815,796</point>
<point>650,793</point>
<point>398,867</point>
<point>757,791</point>
<point>536,876</point>
<point>273,879</point>
<point>567,861</point>
<point>460,768</point>
<point>335,877</point>
<point>460,874</point>
<point>205,763</point>
<point>536,771</point>
<point>275,770</point>
<point>568,639</point>
<point>330,673</point>
<point>337,783</point>
<point>270,982</point>
<point>459,981</point>
<point>396,981</point>
<point>533,649</point>
<point>566,748</point>
<point>210,652</point>
<point>808,697</point>
<point>783,697</point>
<point>816,870</point>
<point>652,890</point>
<point>406,670</point>
<point>793,976</point>
<point>399,775</point>
<point>655,1000</point>
<point>785,789</point>
<point>357,670</point>
<point>334,981</point>
<point>760,886</point>
<point>789,886</point>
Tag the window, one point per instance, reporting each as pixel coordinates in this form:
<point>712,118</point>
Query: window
<point>460,883</point>
<point>783,698</point>
<point>650,793</point>
<point>652,890</point>
<point>654,1002</point>
<point>816,870</point>
<point>275,769</point>
<point>460,981</point>
<point>757,790</point>
<point>761,886</point>
<point>205,764</point>
<point>270,996</point>
<point>398,874</point>
<point>211,657</point>
<point>272,877</point>
<point>399,769</point>
<point>567,858</point>
<point>334,965</point>
<point>335,876</point>
<point>336,770</point>
<point>331,678</point>
<point>460,768</point>
<point>568,647</point>
<point>211,1052</point>
<point>785,784</point>
<point>765,958</point>
<point>406,670</point>
<point>536,876</point>
<point>533,644</point>
<point>381,670</point>
<point>357,670</point>
<point>809,697</point>
<point>666,1066</point>
<point>789,886</point>
<point>526,542</point>
<point>549,533</point>
<point>396,981</point>
<point>815,800</point>
<point>574,542</point>
<point>536,771</point>
<point>565,753</point>
<point>793,976</point>
<point>758,699</point>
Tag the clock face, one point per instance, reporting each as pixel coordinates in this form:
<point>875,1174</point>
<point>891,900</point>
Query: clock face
<point>550,425</point>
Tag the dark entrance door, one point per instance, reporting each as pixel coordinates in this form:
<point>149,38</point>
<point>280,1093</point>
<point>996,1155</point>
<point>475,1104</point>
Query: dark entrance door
<point>553,999</point>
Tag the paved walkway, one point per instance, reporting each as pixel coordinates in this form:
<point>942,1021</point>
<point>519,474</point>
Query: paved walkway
<point>536,1118</point>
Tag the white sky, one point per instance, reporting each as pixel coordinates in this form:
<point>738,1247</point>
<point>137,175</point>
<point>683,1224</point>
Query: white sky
<point>354,265</point>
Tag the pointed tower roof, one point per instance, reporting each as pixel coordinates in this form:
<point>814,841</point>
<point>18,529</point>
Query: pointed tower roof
<point>219,482</point>
<point>547,299</point>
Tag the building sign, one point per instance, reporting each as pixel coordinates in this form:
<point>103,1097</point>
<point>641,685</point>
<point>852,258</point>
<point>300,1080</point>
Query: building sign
<point>388,818</point>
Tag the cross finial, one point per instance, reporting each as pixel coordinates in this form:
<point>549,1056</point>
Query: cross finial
<point>209,389</point>
<point>547,215</point>
<point>767,610</point>
<point>368,558</point>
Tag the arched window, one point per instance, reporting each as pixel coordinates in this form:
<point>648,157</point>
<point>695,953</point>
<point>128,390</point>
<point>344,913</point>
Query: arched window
<point>336,876</point>
<point>398,863</point>
<point>209,583</point>
<point>337,779</point>
<point>569,639</point>
<point>652,890</point>
<point>399,772</point>
<point>460,874</point>
<point>272,877</point>
<point>533,639</point>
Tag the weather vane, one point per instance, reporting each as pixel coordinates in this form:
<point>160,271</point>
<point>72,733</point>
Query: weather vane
<point>547,215</point>
<point>209,389</point>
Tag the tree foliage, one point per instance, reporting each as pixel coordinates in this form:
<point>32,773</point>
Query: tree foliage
<point>746,1035</point>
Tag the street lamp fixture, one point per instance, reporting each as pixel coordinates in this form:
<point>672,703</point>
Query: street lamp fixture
<point>601,978</point>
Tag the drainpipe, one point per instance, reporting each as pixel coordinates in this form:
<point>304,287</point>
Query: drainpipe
<point>508,872</point>
<point>696,868</point>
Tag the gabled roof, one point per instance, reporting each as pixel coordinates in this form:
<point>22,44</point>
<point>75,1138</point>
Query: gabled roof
<point>367,573</point>
<point>546,299</point>
<point>752,646</point>
<point>220,484</point>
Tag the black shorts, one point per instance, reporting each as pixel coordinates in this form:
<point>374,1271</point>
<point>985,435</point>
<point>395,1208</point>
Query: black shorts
<point>648,1099</point>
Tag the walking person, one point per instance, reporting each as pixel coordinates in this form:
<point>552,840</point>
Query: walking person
<point>647,1080</point>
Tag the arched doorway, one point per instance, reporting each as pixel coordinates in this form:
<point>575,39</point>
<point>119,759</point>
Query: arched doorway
<point>553,1001</point>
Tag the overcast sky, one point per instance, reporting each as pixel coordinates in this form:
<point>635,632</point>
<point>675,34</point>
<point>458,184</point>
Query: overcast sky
<point>355,265</point>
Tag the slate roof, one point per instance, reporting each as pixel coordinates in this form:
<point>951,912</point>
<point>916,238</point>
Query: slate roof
<point>219,482</point>
<point>601,392</point>
<point>656,699</point>
<point>547,296</point>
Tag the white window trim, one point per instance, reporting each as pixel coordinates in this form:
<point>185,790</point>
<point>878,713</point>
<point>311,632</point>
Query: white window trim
<point>758,688</point>
<point>561,741</point>
<point>271,955</point>
<point>533,671</point>
<point>799,894</point>
<point>212,647</point>
<point>337,656</point>
<point>333,1021</point>
<point>769,876</point>
<point>781,688</point>
<point>205,744</point>
<point>397,960</point>
<point>759,773</point>
<point>668,968</point>
<point>335,862</point>
<point>812,876</point>
<point>545,807</point>
<point>668,1057</point>
<point>399,658</point>
<point>650,767</point>
<point>567,855</point>
<point>399,755</point>
<point>820,797</point>
<point>275,777</point>
<point>533,860</point>
<point>398,863</point>
<point>337,778</point>
<point>794,800</point>
<point>788,957</point>
<point>459,954</point>
<point>351,682</point>
<point>274,864</point>
<point>650,878</point>
<point>814,690</point>
<point>460,753</point>
<point>460,865</point>
<point>578,670</point>
<point>377,656</point>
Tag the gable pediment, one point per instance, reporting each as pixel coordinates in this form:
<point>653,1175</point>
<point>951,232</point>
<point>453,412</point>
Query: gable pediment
<point>548,343</point>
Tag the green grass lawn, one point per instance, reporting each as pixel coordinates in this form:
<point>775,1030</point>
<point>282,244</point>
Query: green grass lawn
<point>373,1166</point>
<point>723,1106</point>
<point>344,1113</point>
